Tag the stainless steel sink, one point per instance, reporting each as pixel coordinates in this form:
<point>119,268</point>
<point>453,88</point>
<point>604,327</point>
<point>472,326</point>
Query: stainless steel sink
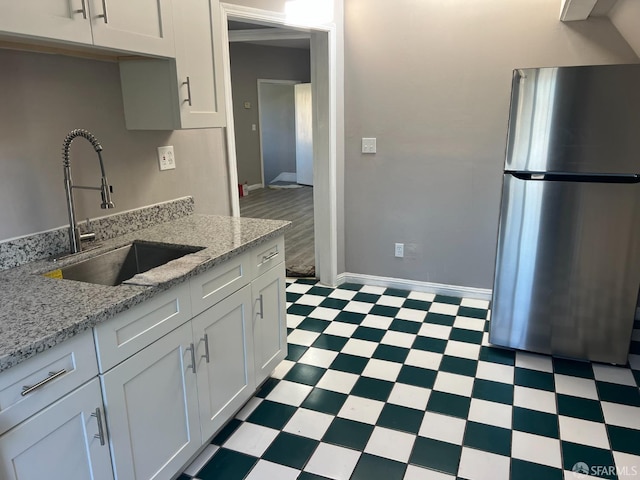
<point>116,266</point>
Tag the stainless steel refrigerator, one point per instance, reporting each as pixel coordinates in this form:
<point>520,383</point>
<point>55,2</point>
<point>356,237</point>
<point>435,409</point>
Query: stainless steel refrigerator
<point>568,256</point>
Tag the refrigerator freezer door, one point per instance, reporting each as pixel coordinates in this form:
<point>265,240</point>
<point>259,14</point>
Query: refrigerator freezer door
<point>567,269</point>
<point>575,119</point>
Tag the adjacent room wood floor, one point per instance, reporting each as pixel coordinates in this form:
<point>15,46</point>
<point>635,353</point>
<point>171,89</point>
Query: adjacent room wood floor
<point>295,205</point>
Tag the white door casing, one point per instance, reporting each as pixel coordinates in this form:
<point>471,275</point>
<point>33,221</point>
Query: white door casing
<point>324,85</point>
<point>304,133</point>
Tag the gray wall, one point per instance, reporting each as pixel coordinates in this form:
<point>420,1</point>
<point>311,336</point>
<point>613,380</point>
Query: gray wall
<point>42,98</point>
<point>625,15</point>
<point>248,64</point>
<point>278,125</point>
<point>433,87</point>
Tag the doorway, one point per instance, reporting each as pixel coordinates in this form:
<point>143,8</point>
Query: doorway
<point>322,41</point>
<point>277,131</point>
<point>282,195</point>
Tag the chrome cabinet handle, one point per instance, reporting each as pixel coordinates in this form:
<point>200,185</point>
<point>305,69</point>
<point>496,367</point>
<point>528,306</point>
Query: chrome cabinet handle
<point>103,15</point>
<point>26,390</point>
<point>188,84</point>
<point>83,10</point>
<point>192,349</point>
<point>100,434</point>
<point>269,257</point>
<point>205,339</point>
<point>261,307</point>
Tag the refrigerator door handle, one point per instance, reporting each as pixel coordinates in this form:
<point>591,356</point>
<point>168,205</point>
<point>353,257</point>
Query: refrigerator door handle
<point>570,177</point>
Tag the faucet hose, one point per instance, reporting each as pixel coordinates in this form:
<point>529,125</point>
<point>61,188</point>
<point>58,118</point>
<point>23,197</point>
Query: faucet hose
<point>80,132</point>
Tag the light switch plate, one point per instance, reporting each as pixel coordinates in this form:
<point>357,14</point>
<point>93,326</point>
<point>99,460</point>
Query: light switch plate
<point>368,145</point>
<point>166,158</point>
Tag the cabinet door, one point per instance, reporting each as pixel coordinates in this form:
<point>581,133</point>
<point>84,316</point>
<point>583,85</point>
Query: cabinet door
<point>199,63</point>
<point>59,19</point>
<point>223,336</point>
<point>188,92</point>
<point>60,442</point>
<point>152,409</point>
<point>143,26</point>
<point>269,321</point>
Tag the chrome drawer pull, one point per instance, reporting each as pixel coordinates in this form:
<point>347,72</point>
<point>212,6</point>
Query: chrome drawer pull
<point>188,84</point>
<point>205,339</point>
<point>192,349</point>
<point>83,10</point>
<point>103,15</point>
<point>261,307</point>
<point>26,390</point>
<point>100,434</point>
<point>269,257</point>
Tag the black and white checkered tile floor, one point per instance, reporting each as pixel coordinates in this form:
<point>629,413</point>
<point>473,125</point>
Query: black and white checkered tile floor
<point>390,384</point>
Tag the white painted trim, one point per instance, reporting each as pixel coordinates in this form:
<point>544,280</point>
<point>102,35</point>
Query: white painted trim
<point>325,192</point>
<point>262,34</point>
<point>286,177</point>
<point>232,163</point>
<point>255,186</point>
<point>418,286</point>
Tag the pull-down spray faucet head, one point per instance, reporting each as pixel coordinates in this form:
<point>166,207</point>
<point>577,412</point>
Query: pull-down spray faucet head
<point>105,188</point>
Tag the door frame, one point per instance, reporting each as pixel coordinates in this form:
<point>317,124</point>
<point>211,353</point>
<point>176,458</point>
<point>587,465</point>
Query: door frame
<point>262,81</point>
<point>324,87</point>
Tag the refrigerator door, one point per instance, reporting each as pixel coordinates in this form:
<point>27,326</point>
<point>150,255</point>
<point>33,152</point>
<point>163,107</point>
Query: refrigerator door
<point>567,269</point>
<point>575,119</point>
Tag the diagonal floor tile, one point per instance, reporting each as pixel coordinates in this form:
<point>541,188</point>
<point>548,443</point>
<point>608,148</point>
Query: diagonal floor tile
<point>385,384</point>
<point>391,444</point>
<point>333,462</point>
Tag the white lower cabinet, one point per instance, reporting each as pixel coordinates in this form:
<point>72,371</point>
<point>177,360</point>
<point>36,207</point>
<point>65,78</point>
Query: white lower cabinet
<point>269,321</point>
<point>170,398</point>
<point>152,409</point>
<point>225,372</point>
<point>66,440</point>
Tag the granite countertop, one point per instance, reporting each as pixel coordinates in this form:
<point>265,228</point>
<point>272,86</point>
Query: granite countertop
<point>39,312</point>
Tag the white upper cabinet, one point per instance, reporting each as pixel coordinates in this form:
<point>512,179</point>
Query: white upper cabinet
<point>144,26</point>
<point>141,26</point>
<point>65,20</point>
<point>187,92</point>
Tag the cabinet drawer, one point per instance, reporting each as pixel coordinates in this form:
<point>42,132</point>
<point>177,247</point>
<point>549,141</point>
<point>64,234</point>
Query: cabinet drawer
<point>210,287</point>
<point>51,374</point>
<point>267,255</point>
<point>129,332</point>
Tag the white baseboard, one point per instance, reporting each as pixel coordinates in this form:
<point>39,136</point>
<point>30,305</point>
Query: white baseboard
<point>255,186</point>
<point>286,177</point>
<point>419,286</point>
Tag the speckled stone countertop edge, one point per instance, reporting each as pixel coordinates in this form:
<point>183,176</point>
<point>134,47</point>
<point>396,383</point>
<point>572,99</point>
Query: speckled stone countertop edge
<point>128,295</point>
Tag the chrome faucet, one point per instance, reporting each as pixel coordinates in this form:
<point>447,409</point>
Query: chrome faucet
<point>75,237</point>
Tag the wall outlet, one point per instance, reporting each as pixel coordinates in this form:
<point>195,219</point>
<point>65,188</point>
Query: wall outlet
<point>166,158</point>
<point>399,251</point>
<point>368,145</point>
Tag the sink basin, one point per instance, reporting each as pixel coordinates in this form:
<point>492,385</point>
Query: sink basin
<point>114,267</point>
